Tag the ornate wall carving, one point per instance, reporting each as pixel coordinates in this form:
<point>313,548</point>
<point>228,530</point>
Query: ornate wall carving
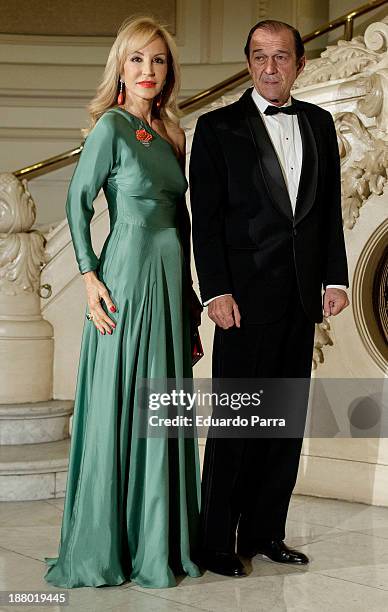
<point>361,176</point>
<point>363,133</point>
<point>322,338</point>
<point>22,251</point>
<point>348,58</point>
<point>262,9</point>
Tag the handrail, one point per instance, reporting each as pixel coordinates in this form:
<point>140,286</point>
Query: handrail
<point>47,165</point>
<point>207,95</point>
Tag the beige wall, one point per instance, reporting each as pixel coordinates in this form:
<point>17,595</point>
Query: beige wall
<point>338,8</point>
<point>75,18</point>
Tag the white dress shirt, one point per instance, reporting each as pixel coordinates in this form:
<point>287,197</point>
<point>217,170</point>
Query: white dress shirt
<point>286,139</point>
<point>284,134</point>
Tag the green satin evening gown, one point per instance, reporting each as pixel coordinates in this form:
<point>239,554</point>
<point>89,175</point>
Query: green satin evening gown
<point>132,503</point>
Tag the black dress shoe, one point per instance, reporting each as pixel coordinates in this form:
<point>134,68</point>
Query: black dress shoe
<point>278,551</point>
<point>226,564</point>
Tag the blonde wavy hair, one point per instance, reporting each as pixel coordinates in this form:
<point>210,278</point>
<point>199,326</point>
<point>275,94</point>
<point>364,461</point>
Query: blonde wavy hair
<point>134,34</point>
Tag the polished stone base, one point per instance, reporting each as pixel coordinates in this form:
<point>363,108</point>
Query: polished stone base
<point>35,422</point>
<point>33,471</point>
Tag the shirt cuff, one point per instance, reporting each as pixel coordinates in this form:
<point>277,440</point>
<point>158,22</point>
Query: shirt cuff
<point>343,287</point>
<point>214,298</point>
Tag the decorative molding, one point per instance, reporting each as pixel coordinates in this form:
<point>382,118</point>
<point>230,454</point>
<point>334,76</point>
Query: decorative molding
<point>322,338</point>
<point>371,103</point>
<point>39,134</point>
<point>338,62</point>
<point>215,33</point>
<point>22,252</point>
<point>364,160</point>
<point>180,34</point>
<point>376,36</point>
<point>17,208</point>
<point>21,257</point>
<point>361,54</point>
<point>260,9</point>
<point>48,41</point>
<point>205,32</point>
<point>372,337</point>
<point>26,98</point>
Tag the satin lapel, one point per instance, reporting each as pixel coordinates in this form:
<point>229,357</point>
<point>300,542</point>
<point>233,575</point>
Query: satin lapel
<point>268,161</point>
<point>309,171</point>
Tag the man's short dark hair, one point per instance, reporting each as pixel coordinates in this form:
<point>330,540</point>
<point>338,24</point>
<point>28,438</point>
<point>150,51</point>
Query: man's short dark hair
<point>275,26</point>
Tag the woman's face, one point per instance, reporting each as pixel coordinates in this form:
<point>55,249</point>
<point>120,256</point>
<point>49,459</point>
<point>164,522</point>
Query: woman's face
<point>145,70</point>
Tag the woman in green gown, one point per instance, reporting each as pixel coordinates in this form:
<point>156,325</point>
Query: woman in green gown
<point>132,502</point>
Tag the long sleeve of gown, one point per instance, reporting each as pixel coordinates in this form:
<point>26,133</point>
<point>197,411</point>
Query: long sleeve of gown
<point>93,168</point>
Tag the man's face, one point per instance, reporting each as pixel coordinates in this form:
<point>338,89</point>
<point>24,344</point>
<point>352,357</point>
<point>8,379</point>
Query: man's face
<point>273,65</point>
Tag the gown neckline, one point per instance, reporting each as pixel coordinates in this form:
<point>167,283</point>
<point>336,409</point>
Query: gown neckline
<point>118,108</point>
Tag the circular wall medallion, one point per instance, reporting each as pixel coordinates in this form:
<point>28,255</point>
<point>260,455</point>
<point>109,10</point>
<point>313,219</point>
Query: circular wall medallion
<point>370,296</point>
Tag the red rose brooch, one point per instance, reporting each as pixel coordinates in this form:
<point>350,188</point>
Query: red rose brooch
<point>144,137</point>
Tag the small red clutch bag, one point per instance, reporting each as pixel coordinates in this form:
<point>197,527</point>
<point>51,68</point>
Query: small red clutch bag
<point>196,346</point>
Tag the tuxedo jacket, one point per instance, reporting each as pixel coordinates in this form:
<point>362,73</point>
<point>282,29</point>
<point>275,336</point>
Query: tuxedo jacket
<point>246,239</point>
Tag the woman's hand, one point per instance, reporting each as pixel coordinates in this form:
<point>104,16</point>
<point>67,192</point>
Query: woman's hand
<point>96,291</point>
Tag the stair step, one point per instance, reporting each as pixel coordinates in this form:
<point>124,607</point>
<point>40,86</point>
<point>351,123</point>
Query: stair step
<point>33,471</point>
<point>36,422</point>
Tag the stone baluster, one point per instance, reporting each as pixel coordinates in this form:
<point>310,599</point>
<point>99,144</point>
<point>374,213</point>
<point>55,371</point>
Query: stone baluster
<point>34,428</point>
<point>26,339</point>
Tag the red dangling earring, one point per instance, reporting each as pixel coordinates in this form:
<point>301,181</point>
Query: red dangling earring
<point>121,96</point>
<point>159,100</point>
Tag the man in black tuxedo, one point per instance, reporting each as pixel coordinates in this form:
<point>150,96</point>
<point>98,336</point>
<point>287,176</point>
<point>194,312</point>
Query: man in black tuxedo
<point>267,237</point>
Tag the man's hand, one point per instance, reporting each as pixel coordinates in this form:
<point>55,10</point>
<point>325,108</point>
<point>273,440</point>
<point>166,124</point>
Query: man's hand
<point>334,301</point>
<point>224,312</point>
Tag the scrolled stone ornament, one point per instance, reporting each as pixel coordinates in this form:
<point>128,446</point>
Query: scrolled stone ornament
<point>376,35</point>
<point>322,338</point>
<point>17,208</point>
<point>22,251</point>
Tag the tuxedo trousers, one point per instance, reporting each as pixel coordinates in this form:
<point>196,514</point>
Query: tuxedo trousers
<point>247,482</point>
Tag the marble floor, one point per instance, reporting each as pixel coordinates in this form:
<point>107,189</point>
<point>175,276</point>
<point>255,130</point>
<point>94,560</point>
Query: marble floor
<point>347,544</point>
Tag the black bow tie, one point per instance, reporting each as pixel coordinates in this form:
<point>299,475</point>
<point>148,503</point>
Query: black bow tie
<point>274,110</point>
